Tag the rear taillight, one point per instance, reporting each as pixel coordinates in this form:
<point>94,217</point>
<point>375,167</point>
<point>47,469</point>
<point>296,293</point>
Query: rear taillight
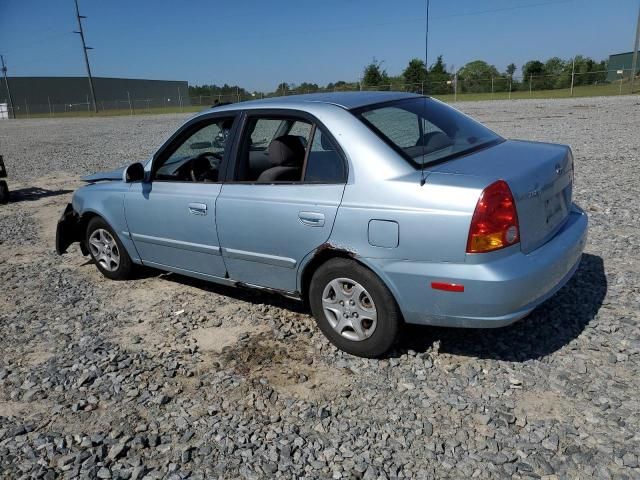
<point>495,221</point>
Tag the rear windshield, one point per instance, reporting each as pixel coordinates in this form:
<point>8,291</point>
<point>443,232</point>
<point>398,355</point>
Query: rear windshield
<point>425,130</point>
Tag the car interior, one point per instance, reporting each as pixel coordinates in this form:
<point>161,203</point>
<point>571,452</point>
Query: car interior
<point>198,158</point>
<point>282,159</point>
<point>272,150</point>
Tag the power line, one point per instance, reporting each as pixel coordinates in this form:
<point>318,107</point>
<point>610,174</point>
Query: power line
<point>358,26</point>
<point>503,9</point>
<point>361,26</point>
<point>86,57</point>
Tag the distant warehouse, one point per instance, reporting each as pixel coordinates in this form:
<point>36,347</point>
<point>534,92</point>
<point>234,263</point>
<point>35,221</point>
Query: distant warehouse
<point>621,62</point>
<point>58,94</point>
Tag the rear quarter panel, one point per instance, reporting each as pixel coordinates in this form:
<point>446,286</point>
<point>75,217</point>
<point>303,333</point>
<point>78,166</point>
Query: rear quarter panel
<point>433,219</point>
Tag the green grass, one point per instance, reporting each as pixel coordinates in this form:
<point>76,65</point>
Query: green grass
<point>610,89</point>
<point>581,91</point>
<point>116,112</point>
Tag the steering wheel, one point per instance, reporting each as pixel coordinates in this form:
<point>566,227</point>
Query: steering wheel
<point>200,167</point>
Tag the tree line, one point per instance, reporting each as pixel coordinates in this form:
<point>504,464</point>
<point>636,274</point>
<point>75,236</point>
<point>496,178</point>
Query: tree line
<point>475,77</point>
<point>479,76</point>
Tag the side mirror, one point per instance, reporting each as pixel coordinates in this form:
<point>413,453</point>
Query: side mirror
<point>134,173</point>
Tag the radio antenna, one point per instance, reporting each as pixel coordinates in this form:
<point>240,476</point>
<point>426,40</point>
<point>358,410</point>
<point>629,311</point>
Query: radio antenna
<point>422,140</point>
<point>426,70</point>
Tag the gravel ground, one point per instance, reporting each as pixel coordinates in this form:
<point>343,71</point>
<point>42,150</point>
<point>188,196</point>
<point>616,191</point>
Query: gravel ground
<point>167,377</point>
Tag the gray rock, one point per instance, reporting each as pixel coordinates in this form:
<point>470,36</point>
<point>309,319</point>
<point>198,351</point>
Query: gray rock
<point>116,451</point>
<point>630,460</point>
<point>99,366</point>
<point>551,442</point>
<point>104,473</point>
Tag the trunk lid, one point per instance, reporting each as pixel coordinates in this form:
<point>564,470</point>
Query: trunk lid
<point>540,176</point>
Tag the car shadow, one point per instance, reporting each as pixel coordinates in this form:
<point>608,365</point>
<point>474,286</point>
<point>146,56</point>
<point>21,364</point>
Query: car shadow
<point>31,194</point>
<point>547,329</point>
<point>244,294</point>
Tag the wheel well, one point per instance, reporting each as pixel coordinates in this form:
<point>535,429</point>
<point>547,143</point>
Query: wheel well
<point>84,220</point>
<point>324,254</point>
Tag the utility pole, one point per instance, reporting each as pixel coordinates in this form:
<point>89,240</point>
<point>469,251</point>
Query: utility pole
<point>455,86</point>
<point>6,84</point>
<point>86,57</point>
<point>634,62</point>
<point>573,74</point>
<point>426,49</point>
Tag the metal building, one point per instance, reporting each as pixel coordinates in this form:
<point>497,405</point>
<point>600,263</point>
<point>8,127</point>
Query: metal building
<point>620,61</point>
<point>60,94</point>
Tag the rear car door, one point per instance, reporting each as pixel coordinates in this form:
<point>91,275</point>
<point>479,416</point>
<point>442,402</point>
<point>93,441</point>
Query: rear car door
<point>280,200</point>
<point>171,216</point>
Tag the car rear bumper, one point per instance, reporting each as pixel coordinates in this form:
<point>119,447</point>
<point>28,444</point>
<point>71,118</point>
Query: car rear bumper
<point>497,292</point>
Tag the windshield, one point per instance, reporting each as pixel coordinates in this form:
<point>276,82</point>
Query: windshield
<point>425,130</point>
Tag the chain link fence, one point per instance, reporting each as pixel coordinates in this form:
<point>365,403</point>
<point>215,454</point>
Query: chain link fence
<point>452,89</point>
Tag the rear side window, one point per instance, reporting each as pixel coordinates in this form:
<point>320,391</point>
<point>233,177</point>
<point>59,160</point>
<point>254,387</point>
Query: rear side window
<point>424,130</point>
<point>273,151</point>
<point>283,149</point>
<point>324,164</point>
<point>264,132</point>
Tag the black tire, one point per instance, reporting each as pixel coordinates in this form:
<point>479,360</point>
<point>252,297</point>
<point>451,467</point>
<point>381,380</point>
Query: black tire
<point>388,318</point>
<point>4,192</point>
<point>124,268</point>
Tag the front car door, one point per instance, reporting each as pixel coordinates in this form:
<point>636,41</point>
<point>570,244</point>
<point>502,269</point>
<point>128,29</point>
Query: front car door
<point>171,217</point>
<point>280,201</point>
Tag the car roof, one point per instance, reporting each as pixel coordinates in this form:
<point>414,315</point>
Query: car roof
<point>346,100</point>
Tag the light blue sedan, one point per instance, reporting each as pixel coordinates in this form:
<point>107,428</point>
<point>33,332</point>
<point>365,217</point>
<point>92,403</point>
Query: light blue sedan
<point>376,208</point>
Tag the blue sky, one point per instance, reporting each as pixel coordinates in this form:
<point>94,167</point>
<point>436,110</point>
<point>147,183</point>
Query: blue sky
<point>259,44</point>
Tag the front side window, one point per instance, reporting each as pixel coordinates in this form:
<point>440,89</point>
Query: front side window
<point>425,130</point>
<point>197,157</point>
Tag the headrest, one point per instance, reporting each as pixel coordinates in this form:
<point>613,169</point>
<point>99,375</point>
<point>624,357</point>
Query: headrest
<point>286,151</point>
<point>433,141</point>
<point>226,124</point>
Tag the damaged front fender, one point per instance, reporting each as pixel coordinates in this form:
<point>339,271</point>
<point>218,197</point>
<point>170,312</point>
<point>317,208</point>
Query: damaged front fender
<point>69,231</point>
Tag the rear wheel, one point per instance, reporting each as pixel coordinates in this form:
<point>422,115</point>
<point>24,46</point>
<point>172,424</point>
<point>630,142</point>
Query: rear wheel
<point>353,308</point>
<point>4,192</point>
<point>107,251</point>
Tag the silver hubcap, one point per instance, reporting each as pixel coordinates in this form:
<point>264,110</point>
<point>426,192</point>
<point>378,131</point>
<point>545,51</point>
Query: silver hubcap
<point>349,309</point>
<point>104,250</point>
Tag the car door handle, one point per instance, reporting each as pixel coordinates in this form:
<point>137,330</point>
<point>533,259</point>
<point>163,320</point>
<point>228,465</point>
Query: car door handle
<point>313,219</point>
<point>198,208</point>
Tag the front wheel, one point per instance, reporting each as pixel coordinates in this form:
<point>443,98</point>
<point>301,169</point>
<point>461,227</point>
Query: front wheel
<point>107,251</point>
<point>353,308</point>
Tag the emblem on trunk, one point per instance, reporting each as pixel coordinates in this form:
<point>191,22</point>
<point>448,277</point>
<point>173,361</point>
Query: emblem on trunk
<point>535,192</point>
